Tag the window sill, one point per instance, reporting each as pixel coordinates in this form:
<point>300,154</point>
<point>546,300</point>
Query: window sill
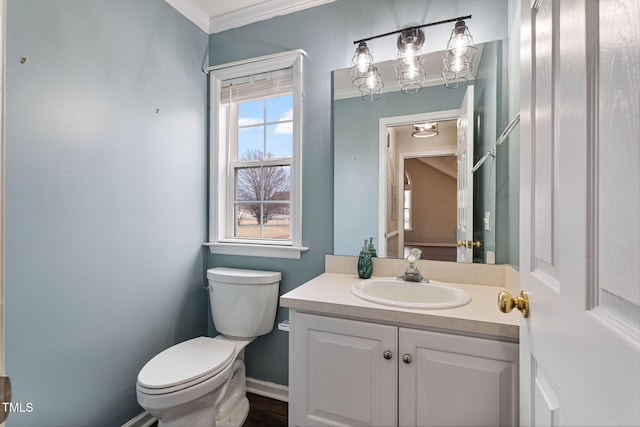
<point>246,249</point>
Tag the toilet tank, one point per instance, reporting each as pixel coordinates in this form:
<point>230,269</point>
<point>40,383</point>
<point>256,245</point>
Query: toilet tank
<point>243,302</point>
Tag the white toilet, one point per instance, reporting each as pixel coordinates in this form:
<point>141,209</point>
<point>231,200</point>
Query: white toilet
<point>201,382</point>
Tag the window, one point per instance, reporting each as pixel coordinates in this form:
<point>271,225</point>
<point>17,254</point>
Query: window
<point>407,202</point>
<point>261,168</point>
<point>256,157</point>
<point>407,209</point>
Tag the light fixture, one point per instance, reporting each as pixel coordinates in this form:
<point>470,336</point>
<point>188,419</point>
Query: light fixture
<point>408,64</point>
<point>409,61</point>
<point>424,130</point>
<point>371,84</point>
<point>360,64</point>
<point>458,57</point>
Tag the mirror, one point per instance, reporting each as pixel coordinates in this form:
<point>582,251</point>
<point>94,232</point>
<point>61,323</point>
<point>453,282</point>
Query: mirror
<point>391,186</point>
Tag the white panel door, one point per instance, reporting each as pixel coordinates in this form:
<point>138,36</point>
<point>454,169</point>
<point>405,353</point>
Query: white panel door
<point>580,221</point>
<point>450,380</point>
<point>342,376</point>
<point>465,177</point>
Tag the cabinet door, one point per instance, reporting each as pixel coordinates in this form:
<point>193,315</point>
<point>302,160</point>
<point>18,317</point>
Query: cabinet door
<point>452,380</point>
<point>339,375</point>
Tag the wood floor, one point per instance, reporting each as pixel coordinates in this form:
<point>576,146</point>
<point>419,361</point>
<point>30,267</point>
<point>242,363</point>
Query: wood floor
<point>264,412</point>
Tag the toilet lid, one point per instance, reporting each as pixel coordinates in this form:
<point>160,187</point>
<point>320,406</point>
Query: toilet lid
<point>187,361</point>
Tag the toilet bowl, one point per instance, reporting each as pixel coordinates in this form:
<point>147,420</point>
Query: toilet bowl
<point>202,381</point>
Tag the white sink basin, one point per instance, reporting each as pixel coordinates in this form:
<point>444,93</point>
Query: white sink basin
<point>391,291</point>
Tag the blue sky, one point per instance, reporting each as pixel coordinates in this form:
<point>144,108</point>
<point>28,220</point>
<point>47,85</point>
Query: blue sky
<point>279,136</point>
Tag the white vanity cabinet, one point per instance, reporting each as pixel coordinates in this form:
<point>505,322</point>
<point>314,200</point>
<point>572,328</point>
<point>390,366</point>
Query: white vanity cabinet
<point>348,372</point>
<point>338,373</point>
<point>454,380</point>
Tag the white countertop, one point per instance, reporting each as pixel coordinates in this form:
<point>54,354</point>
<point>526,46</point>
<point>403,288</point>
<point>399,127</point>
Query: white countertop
<point>330,294</point>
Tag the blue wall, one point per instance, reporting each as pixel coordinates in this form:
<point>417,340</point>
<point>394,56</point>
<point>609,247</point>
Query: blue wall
<point>105,203</point>
<point>487,121</point>
<point>327,33</point>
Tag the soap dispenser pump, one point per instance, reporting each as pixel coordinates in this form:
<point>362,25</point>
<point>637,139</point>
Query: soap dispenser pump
<point>371,248</point>
<point>365,262</point>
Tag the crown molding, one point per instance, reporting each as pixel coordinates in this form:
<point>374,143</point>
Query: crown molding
<point>259,12</point>
<point>194,14</point>
<point>240,17</point>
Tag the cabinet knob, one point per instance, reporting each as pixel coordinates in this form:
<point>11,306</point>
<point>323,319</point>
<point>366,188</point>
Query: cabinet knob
<point>406,358</point>
<point>387,354</point>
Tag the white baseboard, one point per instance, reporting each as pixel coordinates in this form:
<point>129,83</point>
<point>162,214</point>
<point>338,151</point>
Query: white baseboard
<point>261,388</point>
<point>267,389</point>
<point>144,419</point>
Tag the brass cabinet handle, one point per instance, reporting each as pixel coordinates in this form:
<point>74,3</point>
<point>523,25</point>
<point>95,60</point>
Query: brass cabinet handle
<point>469,244</point>
<point>387,354</point>
<point>506,302</point>
<point>406,358</point>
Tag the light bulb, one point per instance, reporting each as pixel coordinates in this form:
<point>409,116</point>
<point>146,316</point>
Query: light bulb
<point>363,62</point>
<point>409,53</point>
<point>459,44</point>
<point>412,71</point>
<point>458,65</point>
<point>371,80</point>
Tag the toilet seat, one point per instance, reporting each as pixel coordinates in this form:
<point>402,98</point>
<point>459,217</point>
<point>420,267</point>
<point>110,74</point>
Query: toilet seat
<point>185,365</point>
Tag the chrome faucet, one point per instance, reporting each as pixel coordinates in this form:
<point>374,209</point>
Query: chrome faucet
<point>412,274</point>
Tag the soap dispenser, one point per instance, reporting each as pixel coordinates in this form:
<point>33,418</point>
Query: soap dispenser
<point>371,248</point>
<point>365,262</point>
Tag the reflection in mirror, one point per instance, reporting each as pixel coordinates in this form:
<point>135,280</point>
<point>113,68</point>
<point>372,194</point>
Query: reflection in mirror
<point>374,152</point>
<point>425,172</point>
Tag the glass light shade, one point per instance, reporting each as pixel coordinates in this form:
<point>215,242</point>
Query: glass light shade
<point>408,65</point>
<point>425,130</point>
<point>371,85</point>
<point>458,58</point>
<point>362,60</point>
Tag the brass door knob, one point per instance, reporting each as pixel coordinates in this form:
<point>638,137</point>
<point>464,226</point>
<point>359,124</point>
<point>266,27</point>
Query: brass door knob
<point>469,244</point>
<point>506,302</point>
<point>387,354</point>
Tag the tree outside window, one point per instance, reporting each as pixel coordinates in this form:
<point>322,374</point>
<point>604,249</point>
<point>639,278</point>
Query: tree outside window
<point>263,170</point>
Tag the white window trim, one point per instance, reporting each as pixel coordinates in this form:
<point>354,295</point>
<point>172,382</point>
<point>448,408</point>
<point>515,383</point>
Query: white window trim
<point>219,155</point>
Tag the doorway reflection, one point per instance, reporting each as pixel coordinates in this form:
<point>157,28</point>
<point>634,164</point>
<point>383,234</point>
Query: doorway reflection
<point>422,193</point>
